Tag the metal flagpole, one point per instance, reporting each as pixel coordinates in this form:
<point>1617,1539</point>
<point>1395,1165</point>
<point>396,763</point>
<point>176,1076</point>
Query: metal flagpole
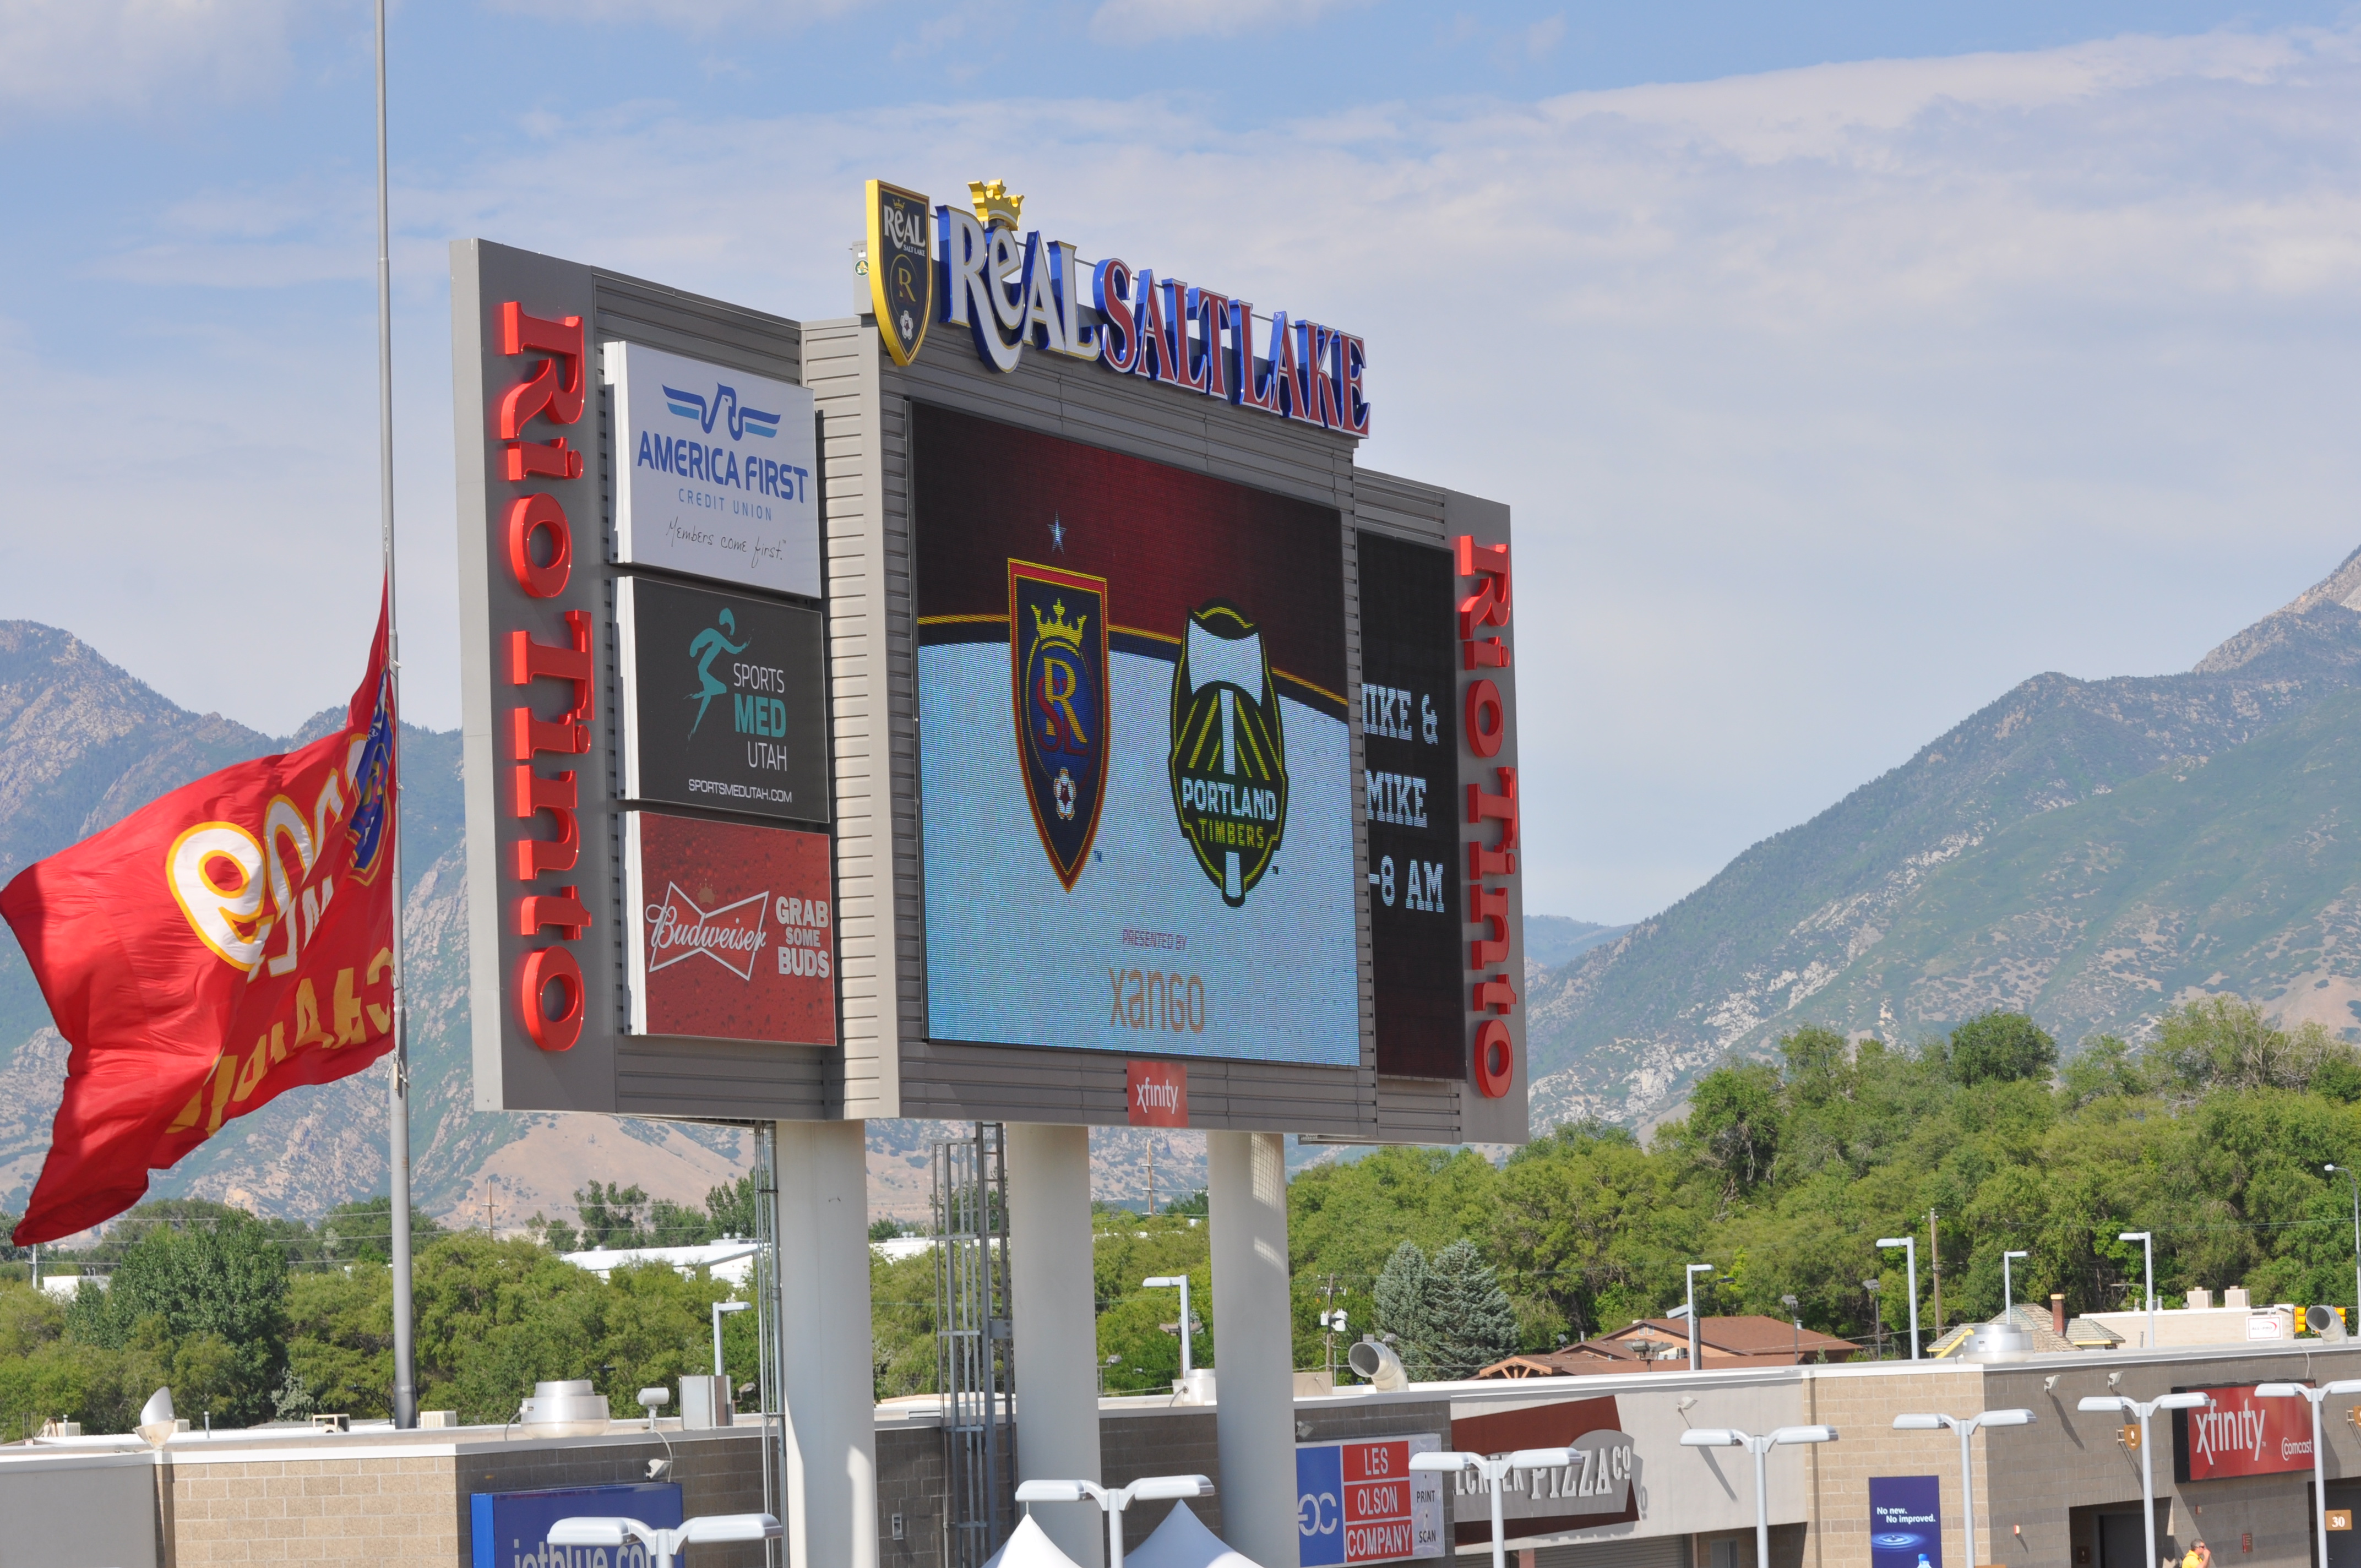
<point>405,1375</point>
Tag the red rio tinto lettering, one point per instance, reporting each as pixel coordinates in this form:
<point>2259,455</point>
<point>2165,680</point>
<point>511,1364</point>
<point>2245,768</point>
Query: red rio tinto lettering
<point>1484,612</point>
<point>539,549</point>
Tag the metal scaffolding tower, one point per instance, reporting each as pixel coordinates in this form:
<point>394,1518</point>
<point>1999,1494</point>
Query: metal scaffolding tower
<point>971,1344</point>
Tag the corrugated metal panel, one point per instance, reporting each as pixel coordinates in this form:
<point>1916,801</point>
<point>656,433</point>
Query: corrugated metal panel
<point>841,357</point>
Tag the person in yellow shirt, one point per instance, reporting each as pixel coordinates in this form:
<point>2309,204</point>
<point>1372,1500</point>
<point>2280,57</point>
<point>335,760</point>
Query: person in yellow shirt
<point>2200,1556</point>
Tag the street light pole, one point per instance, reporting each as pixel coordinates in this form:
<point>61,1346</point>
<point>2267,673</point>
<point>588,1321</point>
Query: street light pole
<point>1696,1360</point>
<point>1909,1245</point>
<point>719,1308</point>
<point>1966,1427</point>
<point>2148,1251</point>
<point>2355,1180</point>
<point>1165,1282</point>
<point>1876,1319</point>
<point>1761,1447</point>
<point>2319,1463</point>
<point>2008,1288</point>
<point>2119,1403</point>
<point>1492,1475</point>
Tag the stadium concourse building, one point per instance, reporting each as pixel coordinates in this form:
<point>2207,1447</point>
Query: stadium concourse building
<point>2063,1492</point>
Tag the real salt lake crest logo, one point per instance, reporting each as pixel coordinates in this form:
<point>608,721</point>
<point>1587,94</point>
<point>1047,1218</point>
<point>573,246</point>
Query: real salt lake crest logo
<point>730,934</point>
<point>901,267</point>
<point>1057,667</point>
<point>1229,750</point>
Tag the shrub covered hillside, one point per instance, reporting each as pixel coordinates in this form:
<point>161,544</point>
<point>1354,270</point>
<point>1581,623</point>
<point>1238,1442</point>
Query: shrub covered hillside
<point>1783,1176</point>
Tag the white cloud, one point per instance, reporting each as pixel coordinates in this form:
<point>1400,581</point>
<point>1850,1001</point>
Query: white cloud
<point>1148,21</point>
<point>1831,401</point>
<point>91,55</point>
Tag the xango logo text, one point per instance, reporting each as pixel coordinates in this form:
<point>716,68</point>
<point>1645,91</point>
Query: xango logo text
<point>743,421</point>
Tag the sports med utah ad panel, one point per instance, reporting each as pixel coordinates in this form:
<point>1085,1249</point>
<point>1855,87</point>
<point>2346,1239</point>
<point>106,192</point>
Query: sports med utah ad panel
<point>1173,723</point>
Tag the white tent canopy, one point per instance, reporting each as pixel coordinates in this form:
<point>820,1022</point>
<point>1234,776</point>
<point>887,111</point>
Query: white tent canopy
<point>1029,1546</point>
<point>1183,1541</point>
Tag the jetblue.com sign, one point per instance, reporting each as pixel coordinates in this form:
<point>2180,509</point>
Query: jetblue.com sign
<point>511,1529</point>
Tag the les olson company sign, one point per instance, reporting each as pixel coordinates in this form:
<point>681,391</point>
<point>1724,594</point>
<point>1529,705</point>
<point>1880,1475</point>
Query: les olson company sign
<point>2239,1434</point>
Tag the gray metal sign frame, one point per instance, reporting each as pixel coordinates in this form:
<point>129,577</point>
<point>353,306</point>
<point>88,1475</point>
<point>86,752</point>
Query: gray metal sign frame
<point>886,1064</point>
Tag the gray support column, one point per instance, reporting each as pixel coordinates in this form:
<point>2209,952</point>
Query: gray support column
<point>1253,1343</point>
<point>1055,1325</point>
<point>831,1440</point>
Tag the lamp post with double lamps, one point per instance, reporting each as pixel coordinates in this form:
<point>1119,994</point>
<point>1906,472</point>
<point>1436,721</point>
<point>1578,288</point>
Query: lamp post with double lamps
<point>1966,1427</point>
<point>1492,1475</point>
<point>2148,1253</point>
<point>1761,1447</point>
<point>1909,1245</point>
<point>2355,1180</point>
<point>1113,1500</point>
<point>2124,1404</point>
<point>663,1545</point>
<point>2319,1463</point>
<point>1695,1354</point>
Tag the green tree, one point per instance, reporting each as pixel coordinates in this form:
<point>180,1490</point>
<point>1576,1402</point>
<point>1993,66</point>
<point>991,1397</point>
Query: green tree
<point>1405,1303</point>
<point>610,1215</point>
<point>1469,1321</point>
<point>209,1301</point>
<point>1999,1047</point>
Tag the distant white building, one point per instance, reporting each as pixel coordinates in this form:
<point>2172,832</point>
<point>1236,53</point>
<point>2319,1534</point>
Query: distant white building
<point>64,1287</point>
<point>894,1249</point>
<point>730,1258</point>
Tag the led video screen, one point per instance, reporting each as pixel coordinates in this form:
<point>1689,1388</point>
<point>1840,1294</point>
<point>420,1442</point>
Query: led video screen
<point>1134,761</point>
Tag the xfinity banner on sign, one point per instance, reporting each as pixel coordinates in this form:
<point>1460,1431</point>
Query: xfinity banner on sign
<point>713,471</point>
<point>2239,1434</point>
<point>732,936</point>
<point>723,700</point>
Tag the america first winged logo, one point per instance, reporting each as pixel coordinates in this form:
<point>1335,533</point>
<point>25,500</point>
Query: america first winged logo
<point>1057,667</point>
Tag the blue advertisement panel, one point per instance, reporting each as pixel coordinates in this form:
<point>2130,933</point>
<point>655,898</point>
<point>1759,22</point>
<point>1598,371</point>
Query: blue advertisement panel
<point>511,1529</point>
<point>1905,1521</point>
<point>1134,754</point>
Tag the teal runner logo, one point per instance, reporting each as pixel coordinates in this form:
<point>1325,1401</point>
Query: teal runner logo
<point>706,646</point>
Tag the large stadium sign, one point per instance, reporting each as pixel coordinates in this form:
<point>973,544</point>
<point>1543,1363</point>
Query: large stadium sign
<point>1008,721</point>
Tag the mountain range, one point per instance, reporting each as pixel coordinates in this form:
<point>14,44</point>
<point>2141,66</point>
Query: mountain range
<point>2091,853</point>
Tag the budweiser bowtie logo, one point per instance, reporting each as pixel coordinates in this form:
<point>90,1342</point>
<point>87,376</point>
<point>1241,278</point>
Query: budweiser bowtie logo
<point>730,935</point>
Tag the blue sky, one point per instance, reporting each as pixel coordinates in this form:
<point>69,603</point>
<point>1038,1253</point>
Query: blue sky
<point>1844,364</point>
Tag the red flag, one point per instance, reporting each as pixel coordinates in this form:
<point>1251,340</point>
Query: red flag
<point>215,947</point>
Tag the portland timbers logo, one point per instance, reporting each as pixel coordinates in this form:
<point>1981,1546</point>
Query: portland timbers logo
<point>1229,753</point>
<point>1058,658</point>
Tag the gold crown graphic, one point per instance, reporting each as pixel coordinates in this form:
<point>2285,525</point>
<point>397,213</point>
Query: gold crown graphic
<point>1056,629</point>
<point>993,204</point>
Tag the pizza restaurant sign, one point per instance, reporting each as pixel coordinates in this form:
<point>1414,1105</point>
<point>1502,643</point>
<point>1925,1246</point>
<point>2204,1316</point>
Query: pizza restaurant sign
<point>2239,1434</point>
<point>1014,290</point>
